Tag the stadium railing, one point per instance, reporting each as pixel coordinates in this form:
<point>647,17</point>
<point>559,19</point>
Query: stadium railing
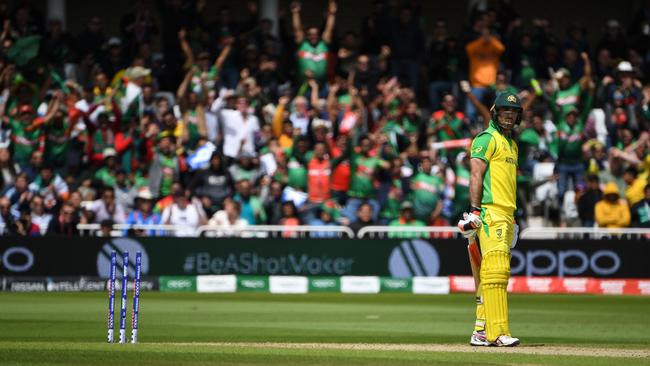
<point>583,232</point>
<point>434,232</point>
<point>253,231</point>
<point>372,232</point>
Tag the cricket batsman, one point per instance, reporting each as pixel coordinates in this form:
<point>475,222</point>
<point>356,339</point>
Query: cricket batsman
<point>492,191</point>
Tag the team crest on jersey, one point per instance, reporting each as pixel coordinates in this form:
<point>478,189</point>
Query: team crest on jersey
<point>499,232</point>
<point>512,99</point>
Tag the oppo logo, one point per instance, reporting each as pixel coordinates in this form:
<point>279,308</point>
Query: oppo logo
<point>17,259</point>
<point>564,262</point>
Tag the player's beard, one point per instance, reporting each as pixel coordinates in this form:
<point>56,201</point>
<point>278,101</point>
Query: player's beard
<point>506,124</point>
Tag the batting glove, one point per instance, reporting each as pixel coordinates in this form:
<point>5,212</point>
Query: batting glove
<point>467,226</point>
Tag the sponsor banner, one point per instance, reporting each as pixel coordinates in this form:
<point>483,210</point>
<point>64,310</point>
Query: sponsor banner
<point>324,284</point>
<point>561,285</point>
<point>360,285</point>
<point>390,284</point>
<point>178,283</point>
<point>69,284</point>
<point>431,285</point>
<point>462,284</point>
<point>24,284</point>
<point>252,284</point>
<point>397,258</point>
<point>643,286</point>
<point>224,283</point>
<point>288,284</point>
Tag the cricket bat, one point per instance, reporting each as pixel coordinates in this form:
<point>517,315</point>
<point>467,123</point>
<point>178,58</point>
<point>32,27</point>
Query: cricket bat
<point>474,260</point>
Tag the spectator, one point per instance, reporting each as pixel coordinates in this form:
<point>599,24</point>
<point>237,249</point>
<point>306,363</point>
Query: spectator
<point>185,215</point>
<point>587,201</point>
<point>364,168</point>
<point>214,182</point>
<point>7,220</point>
<point>635,186</point>
<point>612,211</point>
<point>65,223</point>
<point>143,213</point>
<point>406,219</point>
<point>641,210</point>
<point>165,167</point>
<point>239,127</point>
<point>569,142</point>
<point>273,203</point>
<point>312,46</point>
<point>406,47</point>
<point>427,191</point>
<point>8,169</point>
<point>289,218</point>
<point>484,54</point>
<point>230,216</point>
<point>50,186</point>
<point>363,219</point>
<point>106,208</point>
<point>252,209</point>
<point>327,216</point>
<point>38,216</point>
<point>25,226</point>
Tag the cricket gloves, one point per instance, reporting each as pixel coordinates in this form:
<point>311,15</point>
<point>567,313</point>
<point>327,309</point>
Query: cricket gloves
<point>470,222</point>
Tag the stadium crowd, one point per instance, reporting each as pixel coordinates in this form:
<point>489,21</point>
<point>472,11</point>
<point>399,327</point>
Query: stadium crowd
<point>227,124</point>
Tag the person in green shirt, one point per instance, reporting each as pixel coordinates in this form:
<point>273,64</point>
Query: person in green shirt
<point>568,95</point>
<point>106,174</point>
<point>447,124</point>
<point>313,48</point>
<point>406,219</point>
<point>570,138</point>
<point>536,143</point>
<point>363,167</point>
<point>26,133</point>
<point>427,190</point>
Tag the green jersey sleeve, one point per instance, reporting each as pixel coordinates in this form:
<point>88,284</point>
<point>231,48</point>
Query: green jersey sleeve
<point>482,147</point>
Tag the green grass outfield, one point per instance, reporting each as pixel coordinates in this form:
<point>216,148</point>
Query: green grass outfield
<point>70,329</point>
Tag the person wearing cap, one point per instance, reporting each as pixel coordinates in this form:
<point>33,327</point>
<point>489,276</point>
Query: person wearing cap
<point>568,95</point>
<point>492,187</point>
<point>623,91</point>
<point>131,102</point>
<point>612,211</point>
<point>143,213</point>
<point>26,133</point>
<point>569,140</point>
<point>406,219</point>
<point>106,174</point>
